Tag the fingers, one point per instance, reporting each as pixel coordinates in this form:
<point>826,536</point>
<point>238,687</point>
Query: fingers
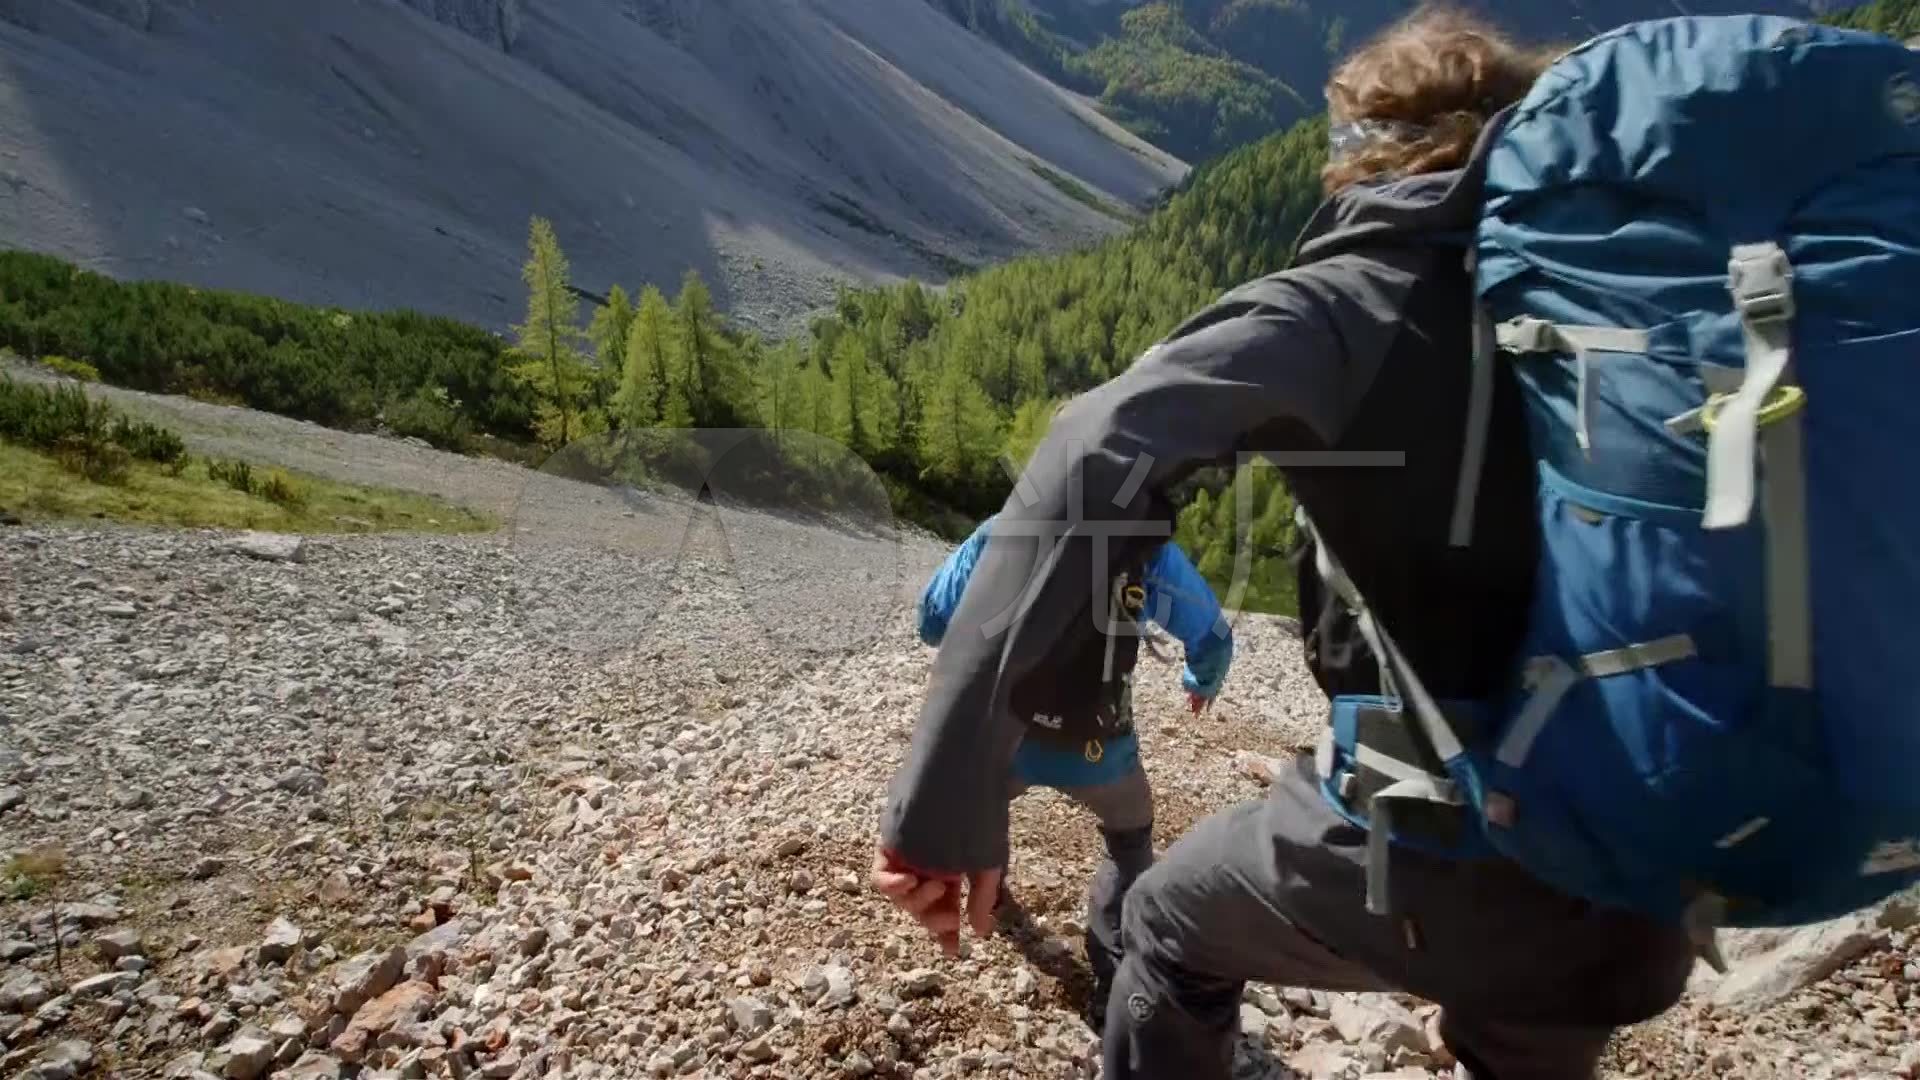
<point>983,894</point>
<point>890,883</point>
<point>936,902</point>
<point>928,898</point>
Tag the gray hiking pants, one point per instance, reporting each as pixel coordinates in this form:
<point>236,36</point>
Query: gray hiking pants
<point>1124,808</point>
<point>1531,982</point>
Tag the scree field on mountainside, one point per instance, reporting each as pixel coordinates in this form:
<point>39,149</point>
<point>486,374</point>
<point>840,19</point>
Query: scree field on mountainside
<point>346,732</point>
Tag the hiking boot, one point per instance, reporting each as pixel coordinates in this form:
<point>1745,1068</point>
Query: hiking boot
<point>1094,1011</point>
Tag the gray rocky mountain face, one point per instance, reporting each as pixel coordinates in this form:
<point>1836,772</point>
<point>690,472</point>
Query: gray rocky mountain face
<point>375,153</point>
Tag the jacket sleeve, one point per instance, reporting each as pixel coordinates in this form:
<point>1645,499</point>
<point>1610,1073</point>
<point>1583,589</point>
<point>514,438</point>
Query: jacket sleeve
<point>942,594</point>
<point>1182,602</point>
<point>1262,369</point>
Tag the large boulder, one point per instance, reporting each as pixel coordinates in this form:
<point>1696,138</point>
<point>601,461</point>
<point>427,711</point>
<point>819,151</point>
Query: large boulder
<point>270,547</point>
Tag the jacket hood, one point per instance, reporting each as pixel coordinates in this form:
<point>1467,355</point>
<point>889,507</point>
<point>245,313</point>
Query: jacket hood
<point>1429,206</point>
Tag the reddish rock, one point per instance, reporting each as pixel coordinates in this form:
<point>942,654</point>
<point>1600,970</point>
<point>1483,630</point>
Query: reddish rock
<point>402,1004</point>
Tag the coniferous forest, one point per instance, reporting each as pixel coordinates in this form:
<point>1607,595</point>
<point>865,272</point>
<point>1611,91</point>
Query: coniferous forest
<point>931,388</point>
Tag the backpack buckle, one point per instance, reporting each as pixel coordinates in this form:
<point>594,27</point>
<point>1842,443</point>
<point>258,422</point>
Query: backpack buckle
<point>1526,335</point>
<point>1761,280</point>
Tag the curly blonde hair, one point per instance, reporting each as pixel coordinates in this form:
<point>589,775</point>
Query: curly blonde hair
<point>1442,73</point>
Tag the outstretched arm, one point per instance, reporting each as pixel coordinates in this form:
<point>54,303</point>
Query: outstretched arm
<point>1263,369</point>
<point>1182,602</point>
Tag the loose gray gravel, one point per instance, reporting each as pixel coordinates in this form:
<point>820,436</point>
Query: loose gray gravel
<point>597,800</point>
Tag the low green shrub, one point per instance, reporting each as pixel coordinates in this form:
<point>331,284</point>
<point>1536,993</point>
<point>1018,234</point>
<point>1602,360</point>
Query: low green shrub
<point>430,414</point>
<point>90,437</point>
<point>99,460</point>
<point>281,491</point>
<point>148,442</point>
<point>72,369</point>
<point>237,475</point>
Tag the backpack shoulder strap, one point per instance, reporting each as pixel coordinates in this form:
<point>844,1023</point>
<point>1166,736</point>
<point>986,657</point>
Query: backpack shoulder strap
<point>1412,781</point>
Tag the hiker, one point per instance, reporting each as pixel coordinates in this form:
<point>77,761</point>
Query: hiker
<point>1101,769</point>
<point>1585,403</point>
<point>1366,344</point>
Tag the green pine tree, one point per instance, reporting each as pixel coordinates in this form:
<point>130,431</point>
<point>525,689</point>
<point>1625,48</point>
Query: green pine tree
<point>778,388</point>
<point>642,400</point>
<point>708,367</point>
<point>549,362</point>
<point>866,413</point>
<point>608,332</point>
<point>1028,429</point>
<point>958,429</point>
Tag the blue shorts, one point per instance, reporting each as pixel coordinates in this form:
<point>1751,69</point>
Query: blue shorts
<point>1040,763</point>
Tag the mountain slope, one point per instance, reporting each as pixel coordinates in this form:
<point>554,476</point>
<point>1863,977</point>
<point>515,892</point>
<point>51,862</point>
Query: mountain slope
<point>368,153</point>
<point>1199,77</point>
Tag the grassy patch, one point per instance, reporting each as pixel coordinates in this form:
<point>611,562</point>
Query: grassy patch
<point>88,437</point>
<point>1078,192</point>
<point>36,487</point>
<point>33,872</point>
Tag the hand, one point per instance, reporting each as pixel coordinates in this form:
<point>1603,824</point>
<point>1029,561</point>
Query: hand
<point>1198,702</point>
<point>935,900</point>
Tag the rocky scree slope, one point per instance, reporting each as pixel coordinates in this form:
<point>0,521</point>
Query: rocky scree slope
<point>593,797</point>
<point>376,804</point>
<point>379,153</point>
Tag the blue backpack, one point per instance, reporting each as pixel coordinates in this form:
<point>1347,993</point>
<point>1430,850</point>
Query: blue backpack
<point>1700,248</point>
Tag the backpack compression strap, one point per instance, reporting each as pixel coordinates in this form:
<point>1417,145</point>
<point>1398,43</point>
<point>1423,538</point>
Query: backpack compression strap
<point>1411,782</point>
<point>1753,418</point>
<point>1747,419</point>
<point>1761,280</point>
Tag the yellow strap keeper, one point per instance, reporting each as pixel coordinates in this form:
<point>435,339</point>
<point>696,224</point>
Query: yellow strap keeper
<point>1782,402</point>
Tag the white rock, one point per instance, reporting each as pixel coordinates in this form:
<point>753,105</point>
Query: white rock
<point>272,547</point>
<point>1328,1061</point>
<point>105,983</point>
<point>247,1055</point>
<point>920,982</point>
<point>314,1066</point>
<point>1024,984</point>
<point>1253,1022</point>
<point>751,1016</point>
<point>281,939</point>
<point>1264,999</point>
<point>65,1060</point>
<point>1376,1022</point>
<point>301,780</point>
<point>839,991</point>
<point>1299,999</point>
<point>118,944</point>
<point>1787,962</point>
<point>365,977</point>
